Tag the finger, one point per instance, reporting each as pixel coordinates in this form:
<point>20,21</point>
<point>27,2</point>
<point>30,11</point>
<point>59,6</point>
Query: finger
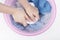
<point>27,18</point>
<point>31,17</point>
<point>24,22</point>
<point>36,16</point>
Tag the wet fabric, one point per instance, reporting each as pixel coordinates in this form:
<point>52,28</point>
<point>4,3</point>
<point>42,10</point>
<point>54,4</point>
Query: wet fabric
<point>44,8</point>
<point>42,5</point>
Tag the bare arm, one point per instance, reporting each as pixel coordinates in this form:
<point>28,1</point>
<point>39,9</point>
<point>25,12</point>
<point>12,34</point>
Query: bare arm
<point>24,3</point>
<point>6,9</point>
<point>18,15</point>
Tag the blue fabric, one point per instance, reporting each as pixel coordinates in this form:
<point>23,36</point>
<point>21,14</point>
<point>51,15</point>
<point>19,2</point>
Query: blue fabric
<point>42,5</point>
<point>44,9</point>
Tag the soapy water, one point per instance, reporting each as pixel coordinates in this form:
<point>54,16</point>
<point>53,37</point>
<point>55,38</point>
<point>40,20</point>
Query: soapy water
<point>40,24</point>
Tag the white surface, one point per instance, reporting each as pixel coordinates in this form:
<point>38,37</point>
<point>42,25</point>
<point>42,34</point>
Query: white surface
<point>51,34</point>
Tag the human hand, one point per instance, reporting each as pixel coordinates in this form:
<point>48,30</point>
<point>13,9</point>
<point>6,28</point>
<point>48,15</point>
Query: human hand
<point>32,12</point>
<point>20,16</point>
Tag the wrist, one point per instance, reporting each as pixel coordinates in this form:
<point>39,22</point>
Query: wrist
<point>24,3</point>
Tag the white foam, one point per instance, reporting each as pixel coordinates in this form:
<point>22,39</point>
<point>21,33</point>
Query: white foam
<point>31,3</point>
<point>32,22</point>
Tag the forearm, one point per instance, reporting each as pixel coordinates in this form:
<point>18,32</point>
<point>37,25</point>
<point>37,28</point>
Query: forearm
<point>6,9</point>
<point>24,3</point>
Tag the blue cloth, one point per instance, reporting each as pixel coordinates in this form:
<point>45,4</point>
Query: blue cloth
<point>42,5</point>
<point>44,8</point>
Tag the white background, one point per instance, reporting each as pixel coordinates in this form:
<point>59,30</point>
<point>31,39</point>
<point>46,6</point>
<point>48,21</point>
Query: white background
<point>53,33</point>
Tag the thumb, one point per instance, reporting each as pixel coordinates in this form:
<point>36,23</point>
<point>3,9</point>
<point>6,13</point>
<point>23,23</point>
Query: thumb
<point>24,23</point>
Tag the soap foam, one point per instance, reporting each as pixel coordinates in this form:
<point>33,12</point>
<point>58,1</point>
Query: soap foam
<point>32,22</point>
